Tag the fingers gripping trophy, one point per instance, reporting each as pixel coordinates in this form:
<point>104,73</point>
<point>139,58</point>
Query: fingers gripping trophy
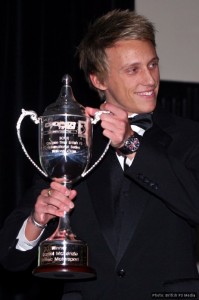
<point>65,141</point>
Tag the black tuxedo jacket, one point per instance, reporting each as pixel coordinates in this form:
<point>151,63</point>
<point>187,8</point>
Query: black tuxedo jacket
<point>152,251</point>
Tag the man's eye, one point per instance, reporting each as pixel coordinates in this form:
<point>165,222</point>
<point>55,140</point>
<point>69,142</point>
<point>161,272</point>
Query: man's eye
<point>131,70</point>
<point>153,65</point>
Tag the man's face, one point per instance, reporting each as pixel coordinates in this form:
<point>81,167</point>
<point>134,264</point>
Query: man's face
<point>132,81</point>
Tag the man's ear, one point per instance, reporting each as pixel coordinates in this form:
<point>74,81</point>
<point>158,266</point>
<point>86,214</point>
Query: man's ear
<point>97,83</point>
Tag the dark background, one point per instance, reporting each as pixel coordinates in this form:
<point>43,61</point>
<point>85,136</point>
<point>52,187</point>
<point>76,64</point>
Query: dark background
<point>37,47</point>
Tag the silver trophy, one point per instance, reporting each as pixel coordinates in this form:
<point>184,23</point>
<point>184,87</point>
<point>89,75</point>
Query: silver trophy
<point>65,142</point>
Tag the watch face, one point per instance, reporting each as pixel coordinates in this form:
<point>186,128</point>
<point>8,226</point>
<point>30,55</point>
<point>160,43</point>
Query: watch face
<point>133,144</point>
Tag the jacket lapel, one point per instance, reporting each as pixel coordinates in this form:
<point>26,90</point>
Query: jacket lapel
<point>133,208</point>
<point>102,191</point>
<point>99,182</point>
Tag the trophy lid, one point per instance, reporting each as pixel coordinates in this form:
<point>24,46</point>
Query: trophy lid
<point>66,102</point>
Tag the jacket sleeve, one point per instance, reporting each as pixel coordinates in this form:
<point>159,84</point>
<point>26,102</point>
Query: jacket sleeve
<point>11,258</point>
<point>167,165</point>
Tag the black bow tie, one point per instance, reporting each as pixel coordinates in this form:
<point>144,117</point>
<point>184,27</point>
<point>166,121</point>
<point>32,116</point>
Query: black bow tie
<point>143,121</point>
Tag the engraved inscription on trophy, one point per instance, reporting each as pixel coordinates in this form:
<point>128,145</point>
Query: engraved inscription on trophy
<point>63,254</point>
<point>64,147</point>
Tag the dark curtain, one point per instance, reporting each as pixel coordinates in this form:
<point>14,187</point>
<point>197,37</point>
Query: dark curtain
<point>38,46</point>
<point>180,98</point>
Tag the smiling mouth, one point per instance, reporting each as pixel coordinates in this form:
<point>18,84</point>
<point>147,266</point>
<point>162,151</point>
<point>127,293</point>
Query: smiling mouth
<point>147,93</point>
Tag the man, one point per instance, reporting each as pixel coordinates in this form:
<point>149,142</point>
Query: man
<point>139,208</point>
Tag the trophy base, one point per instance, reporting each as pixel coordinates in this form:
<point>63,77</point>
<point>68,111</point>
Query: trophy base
<point>64,272</point>
<point>63,259</point>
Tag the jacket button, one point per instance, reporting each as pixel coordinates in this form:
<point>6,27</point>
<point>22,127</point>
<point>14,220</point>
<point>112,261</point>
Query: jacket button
<point>146,180</point>
<point>154,186</point>
<point>121,273</point>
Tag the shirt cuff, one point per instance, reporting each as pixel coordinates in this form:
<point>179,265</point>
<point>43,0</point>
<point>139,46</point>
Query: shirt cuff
<point>23,244</point>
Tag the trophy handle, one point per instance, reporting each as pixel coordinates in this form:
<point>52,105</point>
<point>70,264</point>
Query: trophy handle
<point>35,119</point>
<point>96,163</point>
<point>94,121</point>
